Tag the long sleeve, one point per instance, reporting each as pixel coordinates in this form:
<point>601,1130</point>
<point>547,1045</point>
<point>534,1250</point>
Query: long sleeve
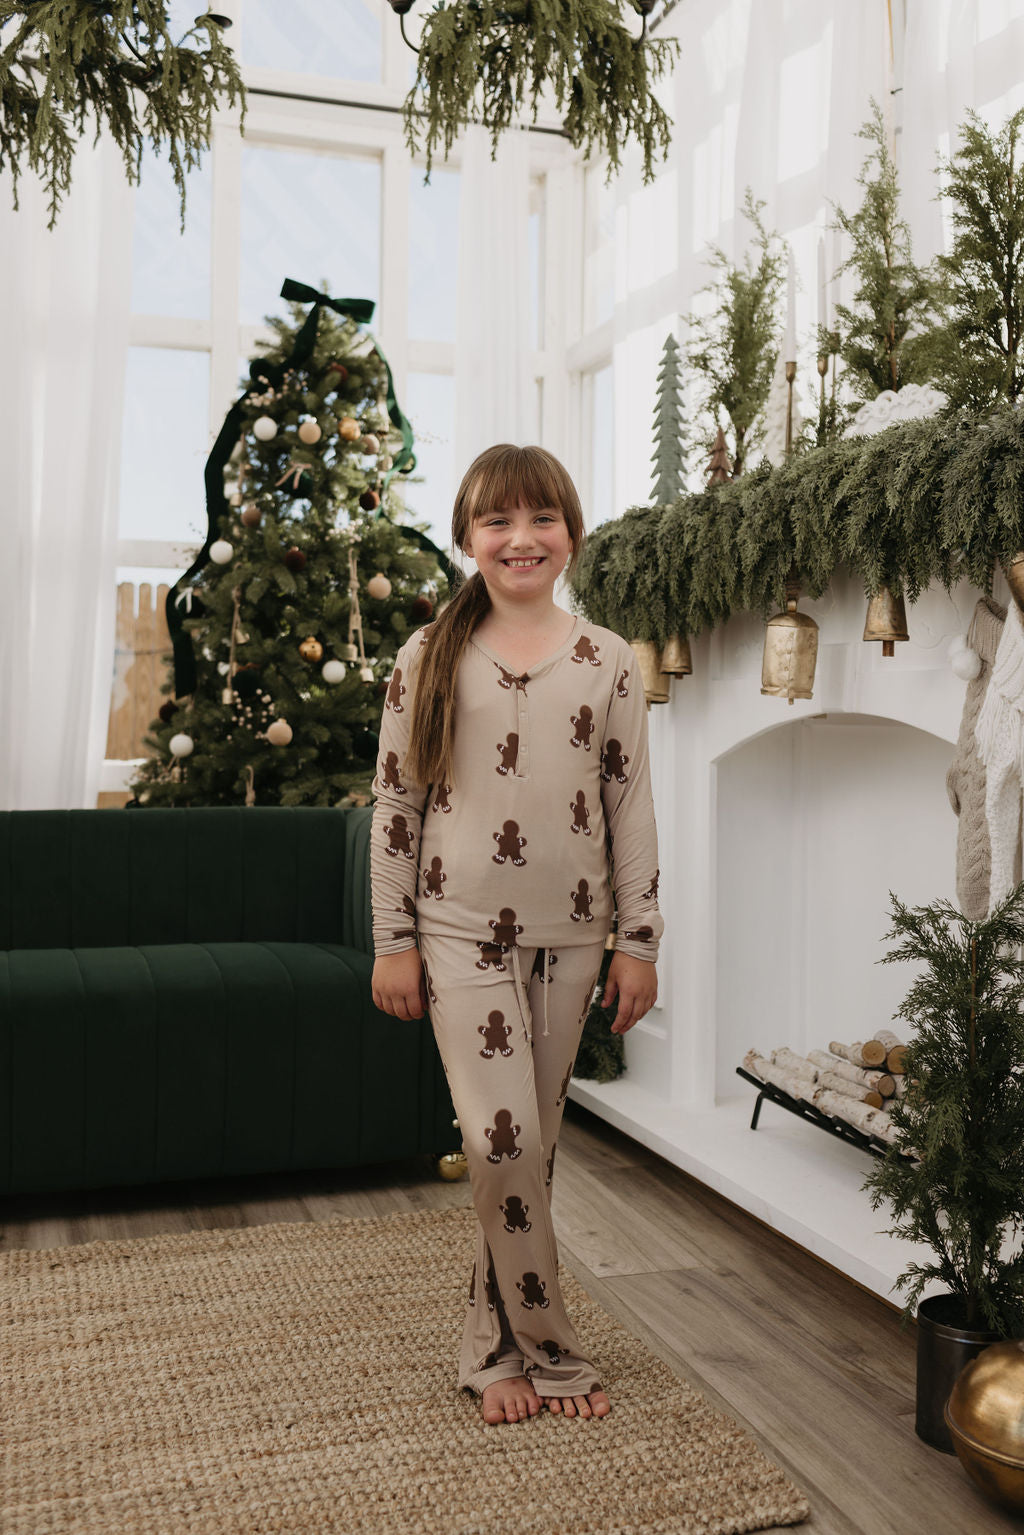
<point>397,824</point>
<point>629,817</point>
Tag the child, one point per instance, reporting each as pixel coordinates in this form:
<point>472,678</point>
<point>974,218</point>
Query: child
<point>513,762</point>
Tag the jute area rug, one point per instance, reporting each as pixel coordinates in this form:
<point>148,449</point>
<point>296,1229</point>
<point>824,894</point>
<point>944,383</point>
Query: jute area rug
<point>300,1377</point>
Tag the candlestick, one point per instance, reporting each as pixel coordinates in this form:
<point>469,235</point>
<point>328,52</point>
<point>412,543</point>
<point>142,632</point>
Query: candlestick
<point>790,342</point>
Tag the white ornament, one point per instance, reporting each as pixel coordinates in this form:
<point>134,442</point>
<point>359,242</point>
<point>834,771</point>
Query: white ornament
<point>966,664</point>
<point>371,444</point>
<point>221,551</point>
<point>235,499</point>
<point>333,671</point>
<point>379,586</point>
<point>366,673</point>
<point>309,431</point>
<point>182,745</point>
<point>386,461</point>
<point>264,428</point>
<point>279,733</point>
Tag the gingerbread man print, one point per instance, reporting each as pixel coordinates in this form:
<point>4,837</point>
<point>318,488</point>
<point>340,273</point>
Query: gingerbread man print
<point>433,879</point>
<point>586,650</point>
<point>508,752</point>
<point>565,1085</point>
<point>641,934</point>
<point>515,1213</point>
<point>509,843</point>
<point>506,927</point>
<point>503,1137</point>
<point>533,1288</point>
<point>620,686</point>
<point>538,965</point>
<point>582,901</point>
<point>650,894</point>
<point>400,837</point>
<point>580,814</point>
<point>389,774</point>
<point>490,954</point>
<point>495,1032</point>
<point>441,799</point>
<point>583,724</point>
<point>396,691</point>
<point>613,762</point>
<point>510,680</point>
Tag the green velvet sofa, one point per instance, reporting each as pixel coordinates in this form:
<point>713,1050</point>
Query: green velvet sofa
<point>186,994</point>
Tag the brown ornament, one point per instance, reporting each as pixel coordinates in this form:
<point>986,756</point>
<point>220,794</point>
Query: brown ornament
<point>421,609</point>
<point>311,649</point>
<point>348,428</point>
<point>251,516</point>
<point>295,559</point>
<point>369,500</point>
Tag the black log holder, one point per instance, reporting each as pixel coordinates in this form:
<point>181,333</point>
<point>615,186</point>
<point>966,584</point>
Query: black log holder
<point>830,1122</point>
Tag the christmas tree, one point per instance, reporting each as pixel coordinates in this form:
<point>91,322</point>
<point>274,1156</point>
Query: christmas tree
<point>734,350</point>
<point>669,456</point>
<point>308,583</point>
<point>886,337</point>
<point>982,276</point>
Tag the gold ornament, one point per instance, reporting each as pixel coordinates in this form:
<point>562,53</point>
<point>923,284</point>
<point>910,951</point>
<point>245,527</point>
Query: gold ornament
<point>654,679</point>
<point>790,649</point>
<point>311,649</point>
<point>309,431</point>
<point>348,428</point>
<point>886,620</point>
<point>985,1416</point>
<point>675,658</point>
<point>452,1166</point>
<point>1013,570</point>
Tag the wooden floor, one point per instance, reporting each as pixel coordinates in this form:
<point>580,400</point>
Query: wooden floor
<point>816,1369</point>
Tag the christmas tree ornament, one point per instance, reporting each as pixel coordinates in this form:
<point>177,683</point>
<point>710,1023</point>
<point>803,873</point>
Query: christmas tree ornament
<point>333,672</point>
<point>301,481</point>
<point>719,468</point>
<point>191,605</point>
<point>279,733</point>
<point>251,516</point>
<point>311,649</point>
<point>366,673</point>
<point>235,499</point>
<point>379,586</point>
<point>333,379</point>
<point>167,710</point>
<point>985,1416</point>
<point>420,609</point>
<point>886,620</point>
<point>369,500</point>
<point>790,649</point>
<point>386,461</point>
<point>182,745</point>
<point>264,428</point>
<point>654,679</point>
<point>295,559</point>
<point>349,652</point>
<point>309,431</point>
<point>675,658</point>
<point>221,551</point>
<point>348,428</point>
<point>669,456</point>
<point>227,696</point>
<point>370,444</point>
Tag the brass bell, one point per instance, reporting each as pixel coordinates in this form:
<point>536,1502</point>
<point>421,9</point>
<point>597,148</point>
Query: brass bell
<point>790,649</point>
<point>886,620</point>
<point>1013,570</point>
<point>675,658</point>
<point>348,652</point>
<point>655,680</point>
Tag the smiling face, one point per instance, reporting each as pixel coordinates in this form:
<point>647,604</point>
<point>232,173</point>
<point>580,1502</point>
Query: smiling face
<point>520,551</point>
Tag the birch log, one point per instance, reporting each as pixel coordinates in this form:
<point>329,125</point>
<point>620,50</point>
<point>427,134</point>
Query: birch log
<point>879,1081</point>
<point>868,1056</point>
<point>895,1049</point>
<point>790,1061</point>
<point>780,1076</point>
<point>870,1121</point>
<point>855,1090</point>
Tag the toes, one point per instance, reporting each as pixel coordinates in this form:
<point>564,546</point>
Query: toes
<point>569,1407</point>
<point>554,1405</point>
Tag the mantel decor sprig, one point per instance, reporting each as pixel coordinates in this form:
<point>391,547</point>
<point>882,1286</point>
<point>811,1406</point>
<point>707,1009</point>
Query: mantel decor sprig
<point>66,67</point>
<point>484,62</point>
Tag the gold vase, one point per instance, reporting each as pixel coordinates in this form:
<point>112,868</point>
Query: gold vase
<point>985,1414</point>
<point>790,649</point>
<point>886,620</point>
<point>675,658</point>
<point>654,679</point>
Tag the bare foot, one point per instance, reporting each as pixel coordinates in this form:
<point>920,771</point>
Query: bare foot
<point>595,1405</point>
<point>507,1401</point>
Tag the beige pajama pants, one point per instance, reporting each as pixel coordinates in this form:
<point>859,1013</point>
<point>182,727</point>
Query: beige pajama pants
<point>507,1023</point>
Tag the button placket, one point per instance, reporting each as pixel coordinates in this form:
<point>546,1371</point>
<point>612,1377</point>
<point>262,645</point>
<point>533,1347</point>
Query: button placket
<point>523,727</point>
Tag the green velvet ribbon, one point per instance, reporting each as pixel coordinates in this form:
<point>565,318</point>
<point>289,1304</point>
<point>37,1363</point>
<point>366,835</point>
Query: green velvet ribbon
<point>360,310</point>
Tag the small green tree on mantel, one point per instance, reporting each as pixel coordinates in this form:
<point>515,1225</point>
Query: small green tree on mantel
<point>886,336</point>
<point>982,276</point>
<point>955,1177</point>
<point>734,349</point>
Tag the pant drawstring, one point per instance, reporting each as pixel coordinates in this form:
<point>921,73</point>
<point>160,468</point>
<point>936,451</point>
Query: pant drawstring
<point>545,991</point>
<point>519,992</point>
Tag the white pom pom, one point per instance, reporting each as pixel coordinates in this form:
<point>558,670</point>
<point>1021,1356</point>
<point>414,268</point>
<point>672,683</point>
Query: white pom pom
<point>221,551</point>
<point>966,663</point>
<point>182,745</point>
<point>333,671</point>
<point>264,428</point>
<point>956,644</point>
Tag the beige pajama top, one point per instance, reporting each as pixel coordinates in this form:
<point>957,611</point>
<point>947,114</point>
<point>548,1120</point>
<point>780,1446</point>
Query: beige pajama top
<point>552,794</point>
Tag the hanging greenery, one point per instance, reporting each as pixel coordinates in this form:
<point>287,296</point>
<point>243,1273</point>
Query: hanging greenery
<point>65,68</point>
<point>734,349</point>
<point>886,336</point>
<point>479,61</point>
<point>983,273</point>
<point>921,502</point>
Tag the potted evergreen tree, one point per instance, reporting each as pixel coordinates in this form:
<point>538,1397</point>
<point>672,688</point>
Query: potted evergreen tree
<point>955,1176</point>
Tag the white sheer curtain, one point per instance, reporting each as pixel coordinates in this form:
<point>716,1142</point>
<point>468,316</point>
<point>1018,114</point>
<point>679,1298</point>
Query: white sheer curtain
<point>959,54</point>
<point>66,295</point>
<point>493,352</point>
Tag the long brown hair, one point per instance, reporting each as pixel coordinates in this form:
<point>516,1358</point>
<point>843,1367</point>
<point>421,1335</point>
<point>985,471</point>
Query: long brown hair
<point>501,477</point>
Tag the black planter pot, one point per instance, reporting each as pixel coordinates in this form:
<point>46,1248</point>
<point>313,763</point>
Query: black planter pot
<point>944,1346</point>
